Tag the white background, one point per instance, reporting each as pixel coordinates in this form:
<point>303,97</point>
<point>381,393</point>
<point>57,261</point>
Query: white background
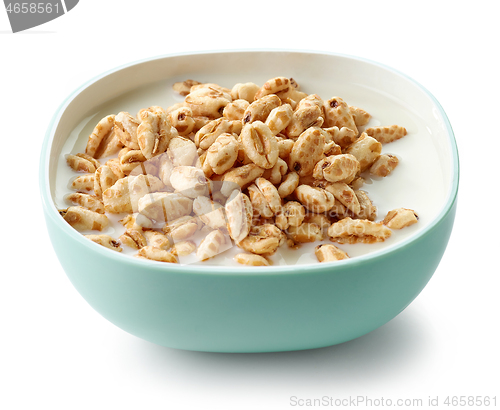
<point>57,353</point>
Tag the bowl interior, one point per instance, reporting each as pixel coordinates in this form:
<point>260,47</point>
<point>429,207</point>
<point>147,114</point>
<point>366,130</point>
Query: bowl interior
<point>425,180</point>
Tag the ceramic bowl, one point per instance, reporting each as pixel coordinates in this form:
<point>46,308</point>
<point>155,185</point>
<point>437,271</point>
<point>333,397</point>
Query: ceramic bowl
<point>285,307</point>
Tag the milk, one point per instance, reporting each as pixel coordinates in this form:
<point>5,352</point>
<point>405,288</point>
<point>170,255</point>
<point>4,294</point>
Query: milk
<point>419,182</point>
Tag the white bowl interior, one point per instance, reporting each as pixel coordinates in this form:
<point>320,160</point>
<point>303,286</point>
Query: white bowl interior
<point>423,180</point>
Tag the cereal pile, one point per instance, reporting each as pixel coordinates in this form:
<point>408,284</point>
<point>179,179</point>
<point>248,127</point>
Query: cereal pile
<point>254,166</point>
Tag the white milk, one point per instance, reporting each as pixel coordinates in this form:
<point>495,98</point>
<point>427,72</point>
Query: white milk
<point>417,183</point>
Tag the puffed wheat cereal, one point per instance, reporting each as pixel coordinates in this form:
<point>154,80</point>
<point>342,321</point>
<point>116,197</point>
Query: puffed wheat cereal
<point>211,245</point>
<point>345,195</point>
<point>133,238</point>
<point>83,183</point>
<point>338,114</point>
<point>79,164</point>
<point>255,166</point>
<point>83,219</point>
<point>251,259</point>
<point>400,218</point>
<point>157,254</point>
<point>350,230</point>
<point>315,199</point>
<point>307,151</point>
<point>260,144</point>
<point>329,253</point>
<point>126,129</point>
<point>384,165</point>
<point>261,108</point>
<point>366,150</point>
<point>106,241</point>
<point>103,131</point>
<point>386,134</point>
<point>154,133</point>
<point>87,201</point>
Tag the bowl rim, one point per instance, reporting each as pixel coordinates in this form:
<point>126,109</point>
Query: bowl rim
<point>52,213</point>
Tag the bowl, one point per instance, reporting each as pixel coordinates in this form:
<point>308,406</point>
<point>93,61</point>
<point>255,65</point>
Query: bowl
<point>214,308</point>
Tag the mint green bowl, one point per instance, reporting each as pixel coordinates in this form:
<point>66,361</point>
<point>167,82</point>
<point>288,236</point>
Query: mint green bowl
<point>242,309</point>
